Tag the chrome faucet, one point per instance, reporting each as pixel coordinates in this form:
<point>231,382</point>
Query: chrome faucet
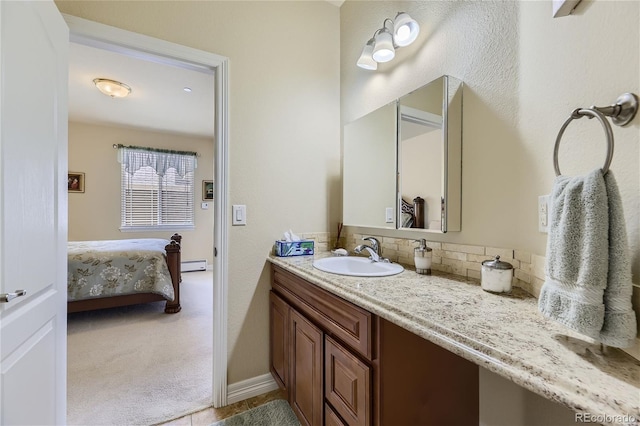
<point>373,249</point>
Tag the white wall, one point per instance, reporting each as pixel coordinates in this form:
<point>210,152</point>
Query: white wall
<point>284,131</point>
<point>502,402</point>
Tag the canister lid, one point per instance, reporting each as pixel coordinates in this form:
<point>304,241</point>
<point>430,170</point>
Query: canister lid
<point>497,264</point>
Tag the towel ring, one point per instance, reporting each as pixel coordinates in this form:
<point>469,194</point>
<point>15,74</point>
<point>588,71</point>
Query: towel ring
<point>591,113</point>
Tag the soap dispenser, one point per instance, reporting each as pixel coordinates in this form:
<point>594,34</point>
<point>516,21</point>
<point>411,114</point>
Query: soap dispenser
<point>422,257</point>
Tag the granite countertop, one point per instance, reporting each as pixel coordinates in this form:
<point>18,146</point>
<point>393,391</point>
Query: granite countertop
<point>502,333</point>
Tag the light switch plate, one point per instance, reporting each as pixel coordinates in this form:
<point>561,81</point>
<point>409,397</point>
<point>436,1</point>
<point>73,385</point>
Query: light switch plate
<point>239,216</point>
<point>389,215</point>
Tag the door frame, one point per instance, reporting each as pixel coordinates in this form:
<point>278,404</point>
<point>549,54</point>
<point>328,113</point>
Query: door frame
<point>94,34</point>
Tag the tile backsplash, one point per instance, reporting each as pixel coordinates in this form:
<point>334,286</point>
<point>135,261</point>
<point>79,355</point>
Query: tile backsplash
<point>458,259</point>
<point>466,260</point>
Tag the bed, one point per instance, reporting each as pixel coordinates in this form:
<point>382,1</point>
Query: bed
<point>111,273</point>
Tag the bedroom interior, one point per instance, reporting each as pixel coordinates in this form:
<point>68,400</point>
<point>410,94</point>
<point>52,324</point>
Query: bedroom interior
<point>159,113</point>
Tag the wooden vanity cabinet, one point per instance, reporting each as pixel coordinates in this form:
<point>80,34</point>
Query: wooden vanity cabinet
<point>279,340</point>
<point>342,365</point>
<point>305,385</point>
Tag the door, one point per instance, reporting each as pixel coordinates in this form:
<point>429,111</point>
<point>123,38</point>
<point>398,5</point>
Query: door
<point>33,212</point>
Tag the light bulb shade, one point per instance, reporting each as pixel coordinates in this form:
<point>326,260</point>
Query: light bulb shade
<point>366,58</point>
<point>405,29</point>
<point>383,50</point>
<point>112,88</point>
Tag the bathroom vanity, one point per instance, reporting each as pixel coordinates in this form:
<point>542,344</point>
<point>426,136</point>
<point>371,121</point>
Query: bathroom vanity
<point>354,350</point>
<point>342,365</point>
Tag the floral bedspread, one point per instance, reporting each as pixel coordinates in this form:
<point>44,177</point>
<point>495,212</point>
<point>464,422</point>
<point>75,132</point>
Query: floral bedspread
<point>118,267</point>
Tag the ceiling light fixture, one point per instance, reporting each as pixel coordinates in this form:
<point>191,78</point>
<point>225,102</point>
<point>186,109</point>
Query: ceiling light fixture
<point>112,88</point>
<point>187,89</point>
<point>381,48</point>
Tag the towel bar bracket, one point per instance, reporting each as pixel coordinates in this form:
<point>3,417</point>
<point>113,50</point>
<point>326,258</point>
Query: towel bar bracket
<point>622,111</point>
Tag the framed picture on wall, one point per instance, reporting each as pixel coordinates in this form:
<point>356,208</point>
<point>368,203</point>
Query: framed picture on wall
<point>207,190</point>
<point>75,181</point>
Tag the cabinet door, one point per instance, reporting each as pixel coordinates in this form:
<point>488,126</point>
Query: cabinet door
<point>305,385</point>
<point>347,384</point>
<point>331,418</point>
<point>279,340</point>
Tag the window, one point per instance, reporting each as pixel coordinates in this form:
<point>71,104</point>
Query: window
<point>157,189</point>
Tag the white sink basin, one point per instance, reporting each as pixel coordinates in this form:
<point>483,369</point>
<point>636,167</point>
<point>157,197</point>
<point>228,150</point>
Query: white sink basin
<point>356,266</point>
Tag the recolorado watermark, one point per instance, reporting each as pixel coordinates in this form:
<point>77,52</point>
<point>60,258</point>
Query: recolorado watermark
<point>605,418</point>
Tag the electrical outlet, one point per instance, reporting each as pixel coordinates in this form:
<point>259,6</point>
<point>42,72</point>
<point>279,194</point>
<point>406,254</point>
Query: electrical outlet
<point>543,213</point>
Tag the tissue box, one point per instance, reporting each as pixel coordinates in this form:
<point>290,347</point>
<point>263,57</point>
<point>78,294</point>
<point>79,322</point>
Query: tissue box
<point>294,248</point>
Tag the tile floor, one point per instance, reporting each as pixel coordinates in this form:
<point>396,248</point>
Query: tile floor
<point>210,415</point>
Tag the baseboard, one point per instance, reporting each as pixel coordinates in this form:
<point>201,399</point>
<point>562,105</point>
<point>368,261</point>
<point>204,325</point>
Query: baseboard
<point>193,265</point>
<point>249,388</point>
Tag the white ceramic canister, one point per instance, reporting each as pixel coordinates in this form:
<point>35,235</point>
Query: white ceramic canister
<point>496,275</point>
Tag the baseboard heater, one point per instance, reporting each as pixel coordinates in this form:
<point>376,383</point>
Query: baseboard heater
<point>194,265</point>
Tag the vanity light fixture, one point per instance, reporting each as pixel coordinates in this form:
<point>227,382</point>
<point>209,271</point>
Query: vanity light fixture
<point>112,88</point>
<point>405,29</point>
<point>366,58</point>
<point>381,48</point>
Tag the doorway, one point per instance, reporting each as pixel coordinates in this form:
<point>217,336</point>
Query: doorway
<point>112,39</point>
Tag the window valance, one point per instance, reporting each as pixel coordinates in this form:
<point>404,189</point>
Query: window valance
<point>133,158</point>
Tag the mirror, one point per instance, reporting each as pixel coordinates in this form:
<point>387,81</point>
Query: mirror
<point>369,170</point>
<point>412,149</point>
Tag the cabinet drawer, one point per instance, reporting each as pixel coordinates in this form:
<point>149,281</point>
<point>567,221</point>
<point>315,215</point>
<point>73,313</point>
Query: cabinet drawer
<point>338,317</point>
<point>347,384</point>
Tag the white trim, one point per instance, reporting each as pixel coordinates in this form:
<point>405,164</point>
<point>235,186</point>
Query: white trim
<point>221,237</point>
<point>133,44</point>
<point>249,388</point>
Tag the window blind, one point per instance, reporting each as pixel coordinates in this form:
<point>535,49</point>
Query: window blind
<point>157,189</point>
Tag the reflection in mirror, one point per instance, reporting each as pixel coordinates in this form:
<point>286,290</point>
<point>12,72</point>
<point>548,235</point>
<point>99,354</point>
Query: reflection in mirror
<point>420,164</point>
<point>402,163</point>
<point>429,157</point>
<point>369,169</point>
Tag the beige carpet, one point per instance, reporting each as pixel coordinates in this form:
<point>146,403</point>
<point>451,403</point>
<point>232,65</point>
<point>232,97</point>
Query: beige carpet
<point>139,366</point>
